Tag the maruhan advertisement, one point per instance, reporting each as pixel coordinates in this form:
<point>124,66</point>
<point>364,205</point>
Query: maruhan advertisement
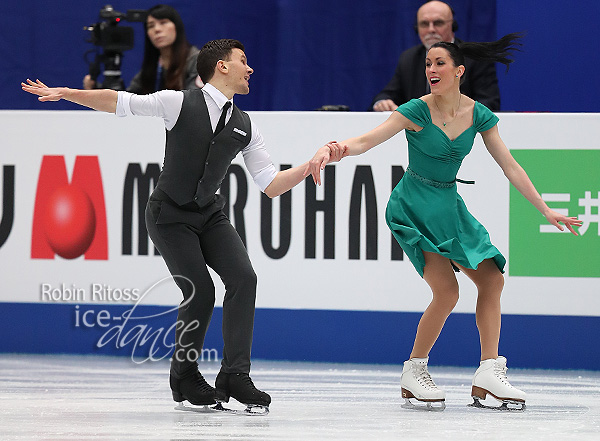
<point>75,184</point>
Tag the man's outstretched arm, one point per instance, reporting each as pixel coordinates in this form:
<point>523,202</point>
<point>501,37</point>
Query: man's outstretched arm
<point>104,100</point>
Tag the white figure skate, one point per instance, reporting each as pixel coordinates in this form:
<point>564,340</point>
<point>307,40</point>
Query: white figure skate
<point>417,384</point>
<point>490,379</point>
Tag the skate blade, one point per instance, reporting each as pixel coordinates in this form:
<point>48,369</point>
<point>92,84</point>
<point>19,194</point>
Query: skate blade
<point>430,406</point>
<point>198,409</point>
<point>250,410</point>
<point>503,405</point>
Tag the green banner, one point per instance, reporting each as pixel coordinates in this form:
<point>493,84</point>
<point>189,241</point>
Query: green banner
<point>569,182</point>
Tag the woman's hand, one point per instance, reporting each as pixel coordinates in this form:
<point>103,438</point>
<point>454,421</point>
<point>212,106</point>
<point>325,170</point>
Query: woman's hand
<point>330,152</point>
<point>336,151</point>
<point>557,219</point>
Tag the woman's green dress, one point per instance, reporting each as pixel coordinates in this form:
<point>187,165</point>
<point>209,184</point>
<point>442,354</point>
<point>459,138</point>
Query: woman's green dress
<point>425,211</point>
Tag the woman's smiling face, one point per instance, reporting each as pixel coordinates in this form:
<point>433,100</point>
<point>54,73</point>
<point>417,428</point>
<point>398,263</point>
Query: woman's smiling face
<point>440,70</point>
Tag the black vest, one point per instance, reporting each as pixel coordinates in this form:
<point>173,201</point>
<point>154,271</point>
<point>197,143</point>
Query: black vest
<point>196,161</point>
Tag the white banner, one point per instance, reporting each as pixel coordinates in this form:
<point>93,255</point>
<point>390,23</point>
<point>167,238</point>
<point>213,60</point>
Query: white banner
<point>317,268</point>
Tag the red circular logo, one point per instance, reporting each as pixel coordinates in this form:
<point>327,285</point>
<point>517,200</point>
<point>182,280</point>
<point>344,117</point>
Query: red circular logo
<point>69,221</point>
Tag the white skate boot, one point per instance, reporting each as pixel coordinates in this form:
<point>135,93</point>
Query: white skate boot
<point>417,383</point>
<point>490,378</point>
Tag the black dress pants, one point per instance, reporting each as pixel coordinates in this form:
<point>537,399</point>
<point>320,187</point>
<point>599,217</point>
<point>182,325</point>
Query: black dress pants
<point>190,240</point>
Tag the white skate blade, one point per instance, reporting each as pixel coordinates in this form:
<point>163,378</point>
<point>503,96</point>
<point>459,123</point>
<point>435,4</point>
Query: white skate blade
<point>493,404</point>
<point>250,410</point>
<point>430,406</point>
<point>193,408</point>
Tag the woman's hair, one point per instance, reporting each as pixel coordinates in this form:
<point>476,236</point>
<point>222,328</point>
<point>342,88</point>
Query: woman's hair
<point>174,77</point>
<point>211,53</point>
<point>499,51</point>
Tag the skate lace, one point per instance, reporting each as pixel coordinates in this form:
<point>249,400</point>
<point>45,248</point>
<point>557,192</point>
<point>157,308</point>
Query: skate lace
<point>500,373</point>
<point>202,384</point>
<point>424,378</point>
<point>248,381</point>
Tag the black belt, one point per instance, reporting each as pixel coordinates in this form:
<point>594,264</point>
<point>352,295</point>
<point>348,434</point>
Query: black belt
<point>433,183</point>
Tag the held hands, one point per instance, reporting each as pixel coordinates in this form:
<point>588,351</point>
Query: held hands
<point>44,92</point>
<point>554,218</point>
<point>330,152</point>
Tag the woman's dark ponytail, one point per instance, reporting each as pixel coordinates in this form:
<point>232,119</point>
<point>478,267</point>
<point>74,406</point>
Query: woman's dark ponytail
<point>500,51</point>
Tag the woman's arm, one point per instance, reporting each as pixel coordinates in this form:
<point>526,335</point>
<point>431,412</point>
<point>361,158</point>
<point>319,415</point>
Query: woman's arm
<point>104,100</point>
<point>359,144</point>
<point>518,177</point>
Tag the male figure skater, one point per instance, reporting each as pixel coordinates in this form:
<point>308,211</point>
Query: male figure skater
<point>184,216</point>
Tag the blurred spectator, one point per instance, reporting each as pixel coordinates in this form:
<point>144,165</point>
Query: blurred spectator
<point>169,60</point>
<point>435,22</point>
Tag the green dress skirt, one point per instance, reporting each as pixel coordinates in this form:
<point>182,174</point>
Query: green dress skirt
<point>425,211</point>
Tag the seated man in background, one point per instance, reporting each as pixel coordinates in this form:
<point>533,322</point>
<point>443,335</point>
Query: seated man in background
<point>435,22</point>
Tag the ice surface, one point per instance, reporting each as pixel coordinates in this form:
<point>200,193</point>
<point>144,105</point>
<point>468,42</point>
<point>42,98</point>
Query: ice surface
<point>106,398</point>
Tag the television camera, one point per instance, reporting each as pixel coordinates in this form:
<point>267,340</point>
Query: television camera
<point>112,40</point>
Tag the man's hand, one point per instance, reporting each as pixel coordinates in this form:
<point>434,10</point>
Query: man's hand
<point>384,106</point>
<point>44,92</point>
<point>330,152</point>
<point>104,100</point>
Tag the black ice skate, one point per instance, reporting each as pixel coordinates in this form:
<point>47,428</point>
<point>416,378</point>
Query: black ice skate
<point>195,390</point>
<point>241,387</point>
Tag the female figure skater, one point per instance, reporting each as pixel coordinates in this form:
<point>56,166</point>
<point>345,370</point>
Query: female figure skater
<point>169,59</point>
<point>431,222</point>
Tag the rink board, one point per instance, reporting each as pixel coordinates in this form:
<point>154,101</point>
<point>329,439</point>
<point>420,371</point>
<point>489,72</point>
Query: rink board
<point>332,287</point>
<point>530,341</point>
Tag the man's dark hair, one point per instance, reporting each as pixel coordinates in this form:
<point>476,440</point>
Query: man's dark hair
<point>211,53</point>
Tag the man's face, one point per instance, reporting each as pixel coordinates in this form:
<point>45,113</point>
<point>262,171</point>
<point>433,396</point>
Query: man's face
<point>238,72</point>
<point>434,23</point>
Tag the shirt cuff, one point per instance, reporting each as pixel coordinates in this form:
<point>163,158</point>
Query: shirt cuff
<point>123,99</point>
<point>264,178</point>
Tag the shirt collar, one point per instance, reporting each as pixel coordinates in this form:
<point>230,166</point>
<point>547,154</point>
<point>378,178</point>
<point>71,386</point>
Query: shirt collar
<point>216,95</point>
